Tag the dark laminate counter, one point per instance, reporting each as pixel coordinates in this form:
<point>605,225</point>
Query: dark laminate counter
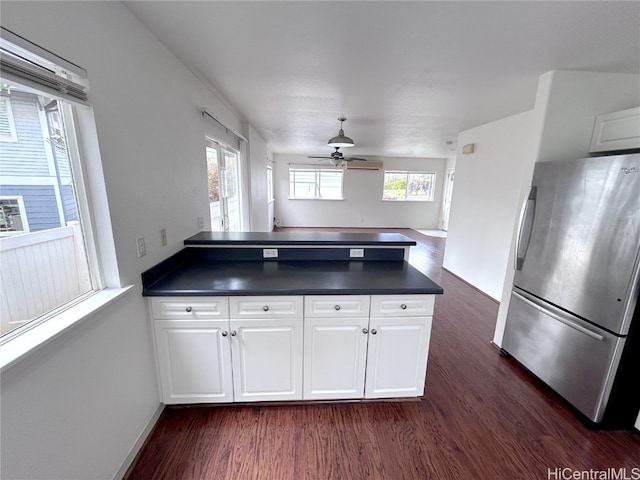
<point>207,278</point>
<point>284,239</point>
<point>314,263</point>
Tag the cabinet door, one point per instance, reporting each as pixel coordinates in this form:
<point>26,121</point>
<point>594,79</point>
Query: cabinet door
<point>335,352</point>
<point>267,359</point>
<point>397,357</point>
<point>194,361</point>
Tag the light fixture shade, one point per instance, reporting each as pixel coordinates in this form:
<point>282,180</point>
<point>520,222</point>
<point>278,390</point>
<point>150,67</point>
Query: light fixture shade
<point>341,141</point>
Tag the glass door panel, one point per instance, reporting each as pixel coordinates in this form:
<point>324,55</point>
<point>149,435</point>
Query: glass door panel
<point>223,171</point>
<point>213,176</point>
<point>232,220</point>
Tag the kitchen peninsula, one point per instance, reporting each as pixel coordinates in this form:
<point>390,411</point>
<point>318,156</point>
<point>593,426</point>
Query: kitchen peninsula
<point>240,317</point>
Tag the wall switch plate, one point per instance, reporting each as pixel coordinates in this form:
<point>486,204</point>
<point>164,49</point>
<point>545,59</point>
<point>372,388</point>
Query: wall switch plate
<point>356,252</point>
<point>269,252</point>
<point>141,247</point>
<point>163,237</point>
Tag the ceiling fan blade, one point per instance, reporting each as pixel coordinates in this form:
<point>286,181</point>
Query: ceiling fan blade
<point>329,158</point>
<point>348,159</point>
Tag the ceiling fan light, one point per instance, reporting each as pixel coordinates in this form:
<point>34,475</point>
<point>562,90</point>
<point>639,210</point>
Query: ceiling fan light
<point>341,141</point>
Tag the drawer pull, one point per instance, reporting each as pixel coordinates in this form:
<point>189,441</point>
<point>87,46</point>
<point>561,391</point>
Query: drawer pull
<point>365,331</point>
<point>188,309</point>
<point>337,307</point>
<point>225,333</point>
<point>373,331</point>
<point>265,308</point>
<point>233,333</point>
<point>403,306</point>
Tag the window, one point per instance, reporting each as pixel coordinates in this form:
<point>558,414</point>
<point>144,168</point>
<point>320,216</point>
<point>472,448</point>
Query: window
<point>7,124</point>
<point>315,183</point>
<point>13,216</point>
<point>48,258</point>
<point>409,186</point>
<point>270,196</point>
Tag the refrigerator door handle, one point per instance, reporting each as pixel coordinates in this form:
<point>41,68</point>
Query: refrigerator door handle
<point>518,260</point>
<point>559,317</point>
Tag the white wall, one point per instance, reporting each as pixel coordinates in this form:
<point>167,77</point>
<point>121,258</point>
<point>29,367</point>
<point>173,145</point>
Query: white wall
<point>566,106</point>
<point>485,201</point>
<point>75,408</point>
<point>362,205</point>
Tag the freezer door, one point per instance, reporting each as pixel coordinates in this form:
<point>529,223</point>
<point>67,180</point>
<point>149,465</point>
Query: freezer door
<point>579,246</point>
<point>570,355</point>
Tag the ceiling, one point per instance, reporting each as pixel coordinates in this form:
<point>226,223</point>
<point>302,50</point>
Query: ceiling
<point>407,75</point>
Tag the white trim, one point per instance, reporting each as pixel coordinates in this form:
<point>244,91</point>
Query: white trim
<point>33,339</point>
<point>12,123</point>
<point>139,443</point>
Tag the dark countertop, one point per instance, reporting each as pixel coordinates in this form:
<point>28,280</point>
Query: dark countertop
<point>298,238</point>
<point>211,278</point>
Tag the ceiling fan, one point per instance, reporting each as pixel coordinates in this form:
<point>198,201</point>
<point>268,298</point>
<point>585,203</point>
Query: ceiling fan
<point>341,140</point>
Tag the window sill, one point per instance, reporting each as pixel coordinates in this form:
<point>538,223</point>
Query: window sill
<point>31,340</point>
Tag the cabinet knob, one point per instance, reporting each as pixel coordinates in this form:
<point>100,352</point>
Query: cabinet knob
<point>337,307</point>
<point>365,331</point>
<point>403,306</point>
<point>188,309</point>
<point>233,333</point>
<point>373,331</point>
<point>225,333</point>
<point>265,308</point>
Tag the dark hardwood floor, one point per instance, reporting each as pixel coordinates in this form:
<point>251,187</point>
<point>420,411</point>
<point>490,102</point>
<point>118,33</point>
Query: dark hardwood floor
<point>482,417</point>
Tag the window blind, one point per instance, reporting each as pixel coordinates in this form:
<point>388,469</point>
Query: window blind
<point>20,65</point>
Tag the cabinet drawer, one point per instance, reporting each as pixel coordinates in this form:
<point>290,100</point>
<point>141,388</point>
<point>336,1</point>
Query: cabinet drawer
<point>190,308</point>
<point>336,306</point>
<point>265,307</point>
<point>401,305</point>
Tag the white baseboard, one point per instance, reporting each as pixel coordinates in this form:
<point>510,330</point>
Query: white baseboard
<point>138,443</point>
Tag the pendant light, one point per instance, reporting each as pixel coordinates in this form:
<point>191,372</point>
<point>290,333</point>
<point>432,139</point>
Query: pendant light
<point>341,140</point>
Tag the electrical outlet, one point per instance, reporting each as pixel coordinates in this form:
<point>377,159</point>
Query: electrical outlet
<point>163,237</point>
<point>141,246</point>
<point>200,223</point>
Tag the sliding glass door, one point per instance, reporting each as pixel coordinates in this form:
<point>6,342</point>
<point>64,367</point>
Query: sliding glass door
<point>223,172</point>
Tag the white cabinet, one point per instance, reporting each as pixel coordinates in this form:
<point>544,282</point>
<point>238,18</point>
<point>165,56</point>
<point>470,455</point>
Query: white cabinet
<point>335,346</point>
<point>247,349</point>
<point>194,361</point>
<point>399,335</point>
<point>266,347</point>
<point>616,131</point>
<point>267,359</point>
<point>193,350</point>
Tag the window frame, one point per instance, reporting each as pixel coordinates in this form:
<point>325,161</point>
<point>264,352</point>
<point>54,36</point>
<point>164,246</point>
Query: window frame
<point>406,197</point>
<point>317,182</point>
<point>270,193</point>
<point>23,216</point>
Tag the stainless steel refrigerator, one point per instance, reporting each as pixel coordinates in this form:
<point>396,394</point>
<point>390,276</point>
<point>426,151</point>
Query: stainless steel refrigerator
<point>573,315</point>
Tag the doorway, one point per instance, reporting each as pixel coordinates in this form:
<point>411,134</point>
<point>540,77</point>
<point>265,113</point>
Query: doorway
<point>223,175</point>
<point>446,202</point>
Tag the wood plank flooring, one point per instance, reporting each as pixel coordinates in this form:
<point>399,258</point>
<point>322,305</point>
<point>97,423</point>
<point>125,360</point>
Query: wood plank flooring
<point>482,417</point>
